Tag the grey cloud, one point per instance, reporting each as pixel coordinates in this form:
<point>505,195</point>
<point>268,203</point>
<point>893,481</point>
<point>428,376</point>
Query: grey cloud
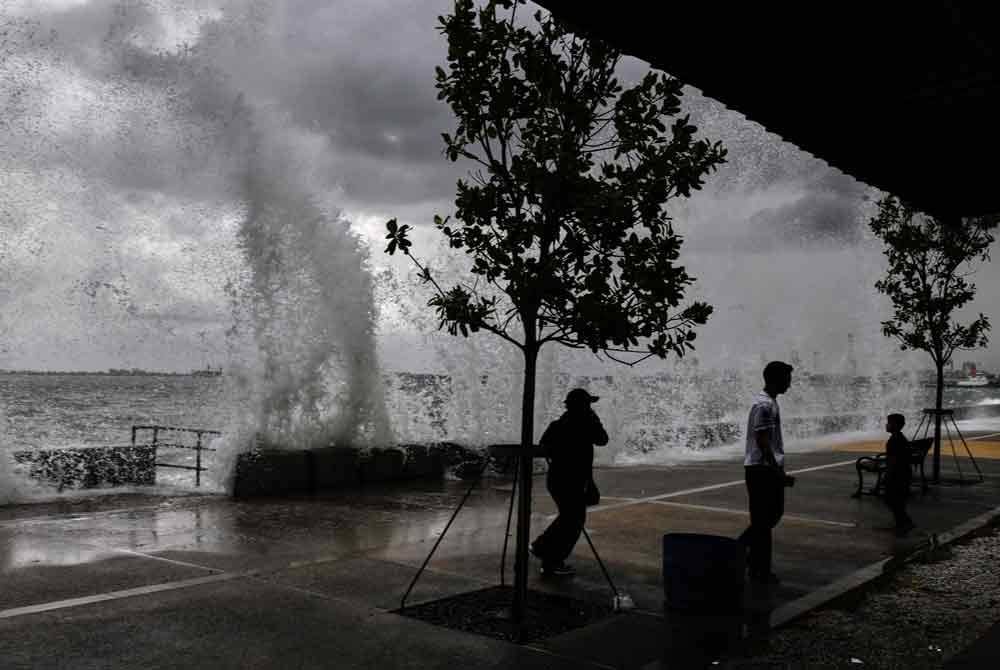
<point>365,79</point>
<point>815,218</point>
<point>361,74</point>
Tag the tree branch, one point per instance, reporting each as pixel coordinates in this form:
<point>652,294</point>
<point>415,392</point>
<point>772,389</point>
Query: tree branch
<point>629,363</point>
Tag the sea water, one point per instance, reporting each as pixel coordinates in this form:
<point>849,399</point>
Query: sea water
<point>46,411</point>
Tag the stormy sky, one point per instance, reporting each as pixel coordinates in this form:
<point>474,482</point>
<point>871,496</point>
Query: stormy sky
<point>124,182</point>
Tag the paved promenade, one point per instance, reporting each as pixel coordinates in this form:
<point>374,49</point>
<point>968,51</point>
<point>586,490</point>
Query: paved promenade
<point>134,581</point>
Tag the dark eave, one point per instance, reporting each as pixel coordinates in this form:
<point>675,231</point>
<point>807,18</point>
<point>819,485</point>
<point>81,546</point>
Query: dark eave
<point>903,96</point>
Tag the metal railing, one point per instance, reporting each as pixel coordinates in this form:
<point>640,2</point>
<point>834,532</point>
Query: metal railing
<point>197,447</point>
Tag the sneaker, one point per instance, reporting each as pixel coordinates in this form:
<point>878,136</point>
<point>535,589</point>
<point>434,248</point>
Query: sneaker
<point>560,570</point>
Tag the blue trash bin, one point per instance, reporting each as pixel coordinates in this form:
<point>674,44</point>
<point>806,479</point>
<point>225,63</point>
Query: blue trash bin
<point>703,574</point>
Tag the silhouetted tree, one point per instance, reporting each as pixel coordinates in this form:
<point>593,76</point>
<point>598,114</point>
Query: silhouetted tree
<point>563,216</point>
<point>927,281</point>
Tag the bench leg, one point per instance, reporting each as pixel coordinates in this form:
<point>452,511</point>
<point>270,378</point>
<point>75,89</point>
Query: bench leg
<point>861,483</point>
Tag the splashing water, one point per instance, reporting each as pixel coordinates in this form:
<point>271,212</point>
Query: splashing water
<point>311,306</point>
<point>780,247</point>
<point>156,176</point>
<point>169,150</point>
<point>8,485</point>
<point>306,371</point>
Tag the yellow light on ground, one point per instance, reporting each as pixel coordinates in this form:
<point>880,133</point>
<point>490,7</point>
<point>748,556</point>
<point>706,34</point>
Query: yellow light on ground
<point>979,448</point>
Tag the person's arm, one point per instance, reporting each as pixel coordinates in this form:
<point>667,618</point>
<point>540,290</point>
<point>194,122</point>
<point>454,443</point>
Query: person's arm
<point>763,439</point>
<point>600,435</point>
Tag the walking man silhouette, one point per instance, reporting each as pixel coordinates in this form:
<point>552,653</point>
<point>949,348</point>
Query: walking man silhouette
<point>764,468</point>
<point>568,443</point>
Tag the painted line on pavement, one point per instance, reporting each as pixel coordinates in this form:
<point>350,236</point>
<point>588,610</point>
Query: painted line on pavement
<point>711,487</point>
<point>743,512</point>
<point>163,559</point>
<point>823,467</point>
<point>125,593</point>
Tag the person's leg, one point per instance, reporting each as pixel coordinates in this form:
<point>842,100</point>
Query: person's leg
<point>572,514</point>
<point>892,502</point>
<point>757,535</point>
<point>746,537</point>
<point>902,505</point>
<point>542,544</point>
<point>773,511</point>
<point>903,499</point>
<point>779,499</point>
<point>896,499</point>
<point>767,498</point>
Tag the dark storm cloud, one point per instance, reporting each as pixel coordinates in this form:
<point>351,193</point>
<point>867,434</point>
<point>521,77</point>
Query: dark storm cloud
<point>363,75</point>
<point>371,109</point>
<point>144,118</point>
<point>360,74</point>
<point>827,213</point>
<point>365,79</point>
<point>777,195</point>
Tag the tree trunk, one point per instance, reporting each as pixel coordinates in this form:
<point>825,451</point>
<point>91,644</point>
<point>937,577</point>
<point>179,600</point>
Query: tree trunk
<point>936,468</point>
<point>524,481</point>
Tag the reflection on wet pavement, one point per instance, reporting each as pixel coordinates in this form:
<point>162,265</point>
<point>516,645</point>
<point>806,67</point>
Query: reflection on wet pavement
<point>76,548</point>
<point>26,550</point>
<point>340,524</point>
<point>203,581</point>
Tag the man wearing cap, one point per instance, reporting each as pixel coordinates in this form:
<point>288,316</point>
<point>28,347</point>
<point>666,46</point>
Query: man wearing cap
<point>765,475</point>
<point>568,443</point>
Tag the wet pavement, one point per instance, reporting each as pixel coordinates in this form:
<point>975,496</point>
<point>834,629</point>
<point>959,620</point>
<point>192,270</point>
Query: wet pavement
<point>205,581</point>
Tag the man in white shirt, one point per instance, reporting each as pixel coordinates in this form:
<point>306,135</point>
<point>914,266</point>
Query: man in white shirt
<point>765,475</point>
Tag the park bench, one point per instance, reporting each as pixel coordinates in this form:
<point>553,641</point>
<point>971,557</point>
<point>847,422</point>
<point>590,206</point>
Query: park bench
<point>877,465</point>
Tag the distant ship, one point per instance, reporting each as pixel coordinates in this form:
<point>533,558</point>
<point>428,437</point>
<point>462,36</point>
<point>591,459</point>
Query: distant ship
<point>208,372</point>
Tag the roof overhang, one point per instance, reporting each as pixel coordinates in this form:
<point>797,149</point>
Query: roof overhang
<point>903,96</point>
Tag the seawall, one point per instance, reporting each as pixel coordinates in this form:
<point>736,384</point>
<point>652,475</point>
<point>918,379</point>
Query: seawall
<point>271,472</point>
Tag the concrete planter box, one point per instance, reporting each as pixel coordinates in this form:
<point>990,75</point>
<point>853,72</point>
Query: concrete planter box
<point>272,472</point>
<point>334,468</point>
<point>382,465</point>
<point>267,472</point>
<point>422,462</point>
<point>95,467</point>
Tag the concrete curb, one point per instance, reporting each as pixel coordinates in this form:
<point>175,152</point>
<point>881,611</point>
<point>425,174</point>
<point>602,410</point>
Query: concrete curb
<point>864,577</point>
